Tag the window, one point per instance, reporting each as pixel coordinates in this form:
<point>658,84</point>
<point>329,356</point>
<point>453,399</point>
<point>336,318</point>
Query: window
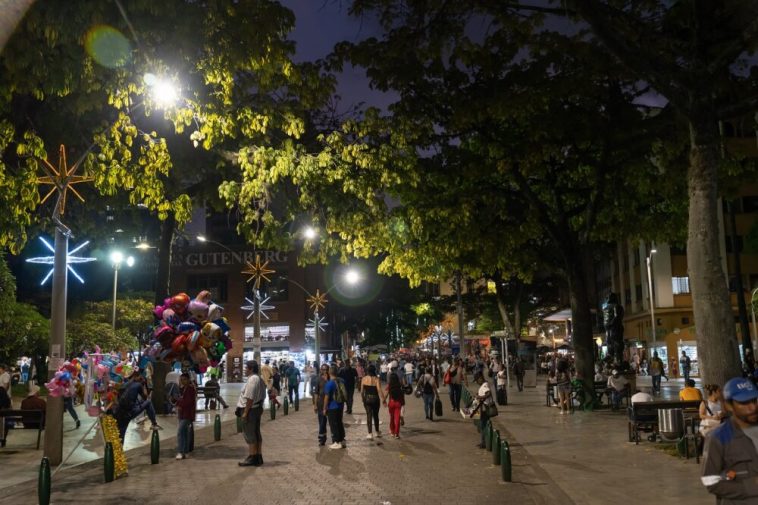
<point>638,291</point>
<point>215,283</point>
<point>627,296</point>
<point>680,285</point>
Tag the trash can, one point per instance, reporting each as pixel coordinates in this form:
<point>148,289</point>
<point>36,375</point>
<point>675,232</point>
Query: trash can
<point>670,423</point>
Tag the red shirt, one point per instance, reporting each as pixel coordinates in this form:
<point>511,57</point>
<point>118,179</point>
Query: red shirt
<point>187,403</point>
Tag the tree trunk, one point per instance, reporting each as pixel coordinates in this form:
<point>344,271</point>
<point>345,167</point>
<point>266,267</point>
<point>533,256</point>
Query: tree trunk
<point>581,318</point>
<point>741,306</point>
<point>714,323</point>
<point>161,369</point>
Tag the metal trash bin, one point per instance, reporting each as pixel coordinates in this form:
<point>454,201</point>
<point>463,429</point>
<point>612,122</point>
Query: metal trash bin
<point>671,423</point>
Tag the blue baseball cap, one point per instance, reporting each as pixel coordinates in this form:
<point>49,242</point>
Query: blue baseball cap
<point>741,390</point>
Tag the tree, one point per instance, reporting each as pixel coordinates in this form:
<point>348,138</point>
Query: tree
<point>91,325</point>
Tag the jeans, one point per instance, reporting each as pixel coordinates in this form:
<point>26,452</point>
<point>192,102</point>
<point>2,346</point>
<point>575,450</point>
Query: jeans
<point>483,423</point>
<point>656,383</point>
<point>686,372</point>
<point>335,425</point>
<point>350,393</point>
<point>372,413</point>
<point>182,436</point>
<point>124,418</point>
<point>321,427</point>
<point>455,396</point>
<point>409,379</point>
<point>429,405</point>
<point>616,397</point>
<point>68,405</point>
<point>293,389</point>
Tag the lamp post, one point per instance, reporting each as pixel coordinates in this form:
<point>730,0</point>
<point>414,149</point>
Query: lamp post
<point>117,258</point>
<point>649,261</point>
<point>752,311</point>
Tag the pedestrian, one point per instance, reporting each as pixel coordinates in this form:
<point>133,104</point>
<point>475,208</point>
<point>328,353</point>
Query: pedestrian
<point>657,370</point>
<point>334,403</point>
<point>274,387</point>
<point>349,375</point>
<point>213,392</point>
<point>185,414</point>
<point>484,400</point>
<point>25,370</point>
<point>428,386</point>
<point>457,377</point>
<point>372,394</point>
<point>293,382</point>
<point>396,403</point>
<point>501,382</point>
<point>685,365</point>
<point>5,379</point>
<point>518,371</point>
<point>711,410</point>
<point>730,458</point>
<point>308,371</point>
<point>409,368</point>
<point>68,406</point>
<point>250,409</point>
<point>318,402</point>
<point>563,386</point>
<point>383,371</point>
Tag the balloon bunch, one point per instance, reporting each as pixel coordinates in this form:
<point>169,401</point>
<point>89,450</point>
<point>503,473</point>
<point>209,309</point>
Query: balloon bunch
<point>62,383</point>
<point>108,373</point>
<point>190,330</point>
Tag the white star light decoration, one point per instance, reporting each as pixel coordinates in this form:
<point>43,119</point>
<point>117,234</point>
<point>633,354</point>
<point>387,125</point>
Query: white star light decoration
<point>70,259</point>
<point>313,322</point>
<point>261,305</point>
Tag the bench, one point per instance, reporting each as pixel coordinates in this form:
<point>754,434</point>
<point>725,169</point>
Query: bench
<point>643,416</point>
<point>32,417</point>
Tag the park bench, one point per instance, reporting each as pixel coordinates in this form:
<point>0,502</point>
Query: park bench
<point>34,418</point>
<point>643,416</point>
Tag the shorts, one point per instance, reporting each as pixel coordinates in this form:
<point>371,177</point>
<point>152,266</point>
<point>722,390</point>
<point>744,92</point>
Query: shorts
<point>566,389</point>
<point>251,427</point>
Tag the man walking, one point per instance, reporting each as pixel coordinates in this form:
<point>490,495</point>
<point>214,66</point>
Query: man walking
<point>518,371</point>
<point>333,404</point>
<point>250,405</point>
<point>730,458</point>
<point>349,375</point>
<point>267,373</point>
<point>293,382</point>
<point>656,372</point>
<point>685,365</point>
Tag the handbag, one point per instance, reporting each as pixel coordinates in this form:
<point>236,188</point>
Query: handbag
<point>447,378</point>
<point>491,409</point>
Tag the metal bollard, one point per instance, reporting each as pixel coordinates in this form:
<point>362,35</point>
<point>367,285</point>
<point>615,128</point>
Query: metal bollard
<point>286,406</point>
<point>43,483</point>
<point>155,448</point>
<point>191,436</point>
<point>217,428</point>
<point>488,435</point>
<point>108,462</point>
<point>505,461</point>
<point>496,447</point>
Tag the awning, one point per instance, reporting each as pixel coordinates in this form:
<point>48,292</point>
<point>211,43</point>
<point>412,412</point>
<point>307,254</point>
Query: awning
<point>559,317</point>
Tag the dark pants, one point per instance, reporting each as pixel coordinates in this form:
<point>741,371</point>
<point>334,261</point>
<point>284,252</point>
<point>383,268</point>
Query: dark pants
<point>123,419</point>
<point>335,425</point>
<point>429,405</point>
<point>483,422</point>
<point>68,405</point>
<point>686,372</point>
<point>656,383</point>
<point>520,382</point>
<point>321,427</point>
<point>372,413</point>
<point>350,392</point>
<point>216,397</point>
<point>455,396</point>
<point>292,389</point>
<point>616,397</point>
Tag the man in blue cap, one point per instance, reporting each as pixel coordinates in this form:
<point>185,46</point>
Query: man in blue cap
<point>730,458</point>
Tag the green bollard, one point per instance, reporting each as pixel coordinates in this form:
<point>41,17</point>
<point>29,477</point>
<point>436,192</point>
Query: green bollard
<point>239,424</point>
<point>217,428</point>
<point>108,462</point>
<point>495,447</point>
<point>155,448</point>
<point>297,403</point>
<point>43,484</point>
<point>505,461</point>
<point>191,437</point>
<point>286,407</point>
<point>273,410</point>
<point>478,425</point>
<point>488,435</point>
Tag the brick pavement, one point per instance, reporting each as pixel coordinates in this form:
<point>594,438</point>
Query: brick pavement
<point>430,463</point>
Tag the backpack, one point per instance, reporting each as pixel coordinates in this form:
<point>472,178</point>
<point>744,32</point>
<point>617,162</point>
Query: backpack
<point>340,394</point>
<point>428,389</point>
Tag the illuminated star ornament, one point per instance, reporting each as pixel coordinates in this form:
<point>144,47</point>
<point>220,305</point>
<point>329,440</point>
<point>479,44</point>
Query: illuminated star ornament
<point>320,322</point>
<point>317,301</point>
<point>70,259</point>
<point>258,271</point>
<point>262,307</point>
<point>62,179</point>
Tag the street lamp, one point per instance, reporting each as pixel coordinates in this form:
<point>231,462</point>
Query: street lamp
<point>310,233</point>
<point>752,310</point>
<point>649,261</point>
<point>117,258</point>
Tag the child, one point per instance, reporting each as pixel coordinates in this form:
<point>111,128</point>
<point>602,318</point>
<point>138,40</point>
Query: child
<point>185,412</point>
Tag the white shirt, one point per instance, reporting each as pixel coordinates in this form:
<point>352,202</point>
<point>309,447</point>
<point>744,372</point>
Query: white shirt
<point>641,397</point>
<point>173,377</point>
<point>617,383</point>
<point>5,382</point>
<point>484,390</point>
<point>252,390</point>
<point>501,378</point>
<point>393,364</point>
<point>444,366</point>
<point>408,368</point>
<point>383,368</point>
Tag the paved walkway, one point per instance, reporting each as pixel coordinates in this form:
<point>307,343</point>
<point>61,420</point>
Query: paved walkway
<point>579,459</point>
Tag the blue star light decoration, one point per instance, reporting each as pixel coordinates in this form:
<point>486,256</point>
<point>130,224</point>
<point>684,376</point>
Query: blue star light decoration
<point>70,259</point>
<point>261,305</point>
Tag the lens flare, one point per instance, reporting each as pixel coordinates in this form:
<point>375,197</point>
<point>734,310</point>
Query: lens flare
<point>107,46</point>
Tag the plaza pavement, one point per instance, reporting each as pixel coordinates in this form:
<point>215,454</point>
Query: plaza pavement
<point>583,458</point>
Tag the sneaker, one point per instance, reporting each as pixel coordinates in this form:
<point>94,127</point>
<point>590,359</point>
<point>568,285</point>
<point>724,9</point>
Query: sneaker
<point>336,445</point>
<point>78,423</point>
<point>179,455</point>
<point>249,461</point>
<point>370,436</point>
<point>343,444</point>
<point>156,427</point>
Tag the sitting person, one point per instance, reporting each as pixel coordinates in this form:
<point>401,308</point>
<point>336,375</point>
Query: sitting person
<point>33,402</point>
<point>617,387</point>
<point>641,397</point>
<point>711,410</point>
<point>5,424</point>
<point>212,393</point>
<point>690,392</point>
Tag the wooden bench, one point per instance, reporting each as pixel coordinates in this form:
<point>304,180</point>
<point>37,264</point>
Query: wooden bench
<point>36,418</point>
<point>643,416</point>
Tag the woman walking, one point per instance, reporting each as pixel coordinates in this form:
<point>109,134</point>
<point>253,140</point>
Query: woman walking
<point>185,412</point>
<point>563,385</point>
<point>276,386</point>
<point>428,386</point>
<point>396,403</point>
<point>371,391</point>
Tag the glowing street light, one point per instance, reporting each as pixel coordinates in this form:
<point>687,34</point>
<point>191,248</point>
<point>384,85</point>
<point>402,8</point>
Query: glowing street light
<point>352,277</point>
<point>310,233</point>
<point>163,91</point>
